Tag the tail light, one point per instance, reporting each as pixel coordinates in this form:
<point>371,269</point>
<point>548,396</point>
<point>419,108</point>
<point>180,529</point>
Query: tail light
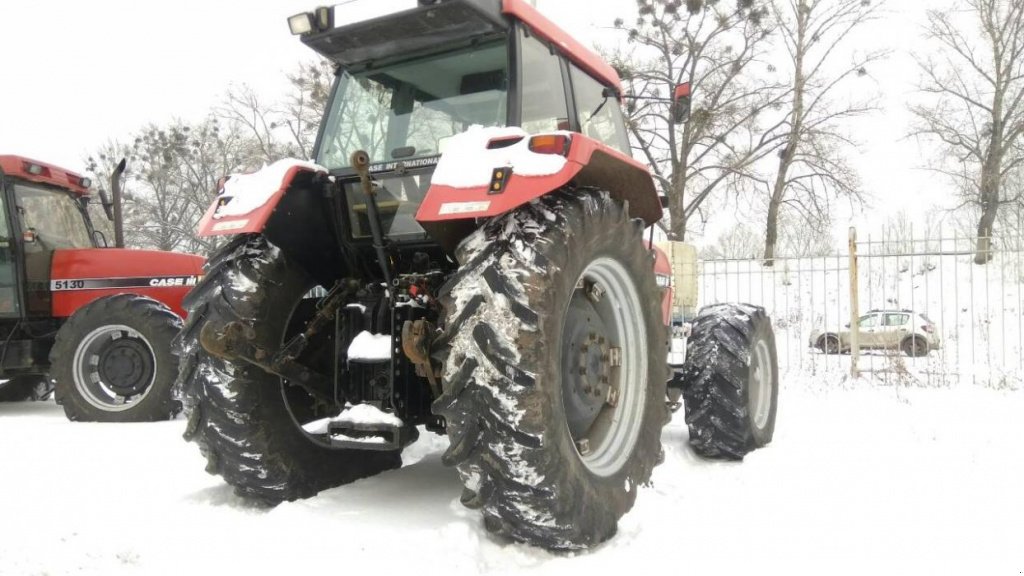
<point>551,144</point>
<point>928,328</point>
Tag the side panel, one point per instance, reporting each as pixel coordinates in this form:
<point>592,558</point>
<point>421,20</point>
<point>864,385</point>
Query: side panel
<point>80,276</point>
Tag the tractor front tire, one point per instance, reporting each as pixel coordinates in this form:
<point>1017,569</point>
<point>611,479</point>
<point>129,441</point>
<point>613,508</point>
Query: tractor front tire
<point>237,413</point>
<point>112,361</point>
<point>730,381</point>
<point>26,388</point>
<point>554,306</point>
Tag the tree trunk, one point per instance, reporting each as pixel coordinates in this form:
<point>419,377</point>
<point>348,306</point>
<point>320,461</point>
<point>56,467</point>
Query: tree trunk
<point>677,205</point>
<point>986,226</point>
<point>771,233</point>
<point>991,182</point>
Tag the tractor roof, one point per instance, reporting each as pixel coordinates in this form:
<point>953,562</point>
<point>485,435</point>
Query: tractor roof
<point>43,173</point>
<point>456,22</point>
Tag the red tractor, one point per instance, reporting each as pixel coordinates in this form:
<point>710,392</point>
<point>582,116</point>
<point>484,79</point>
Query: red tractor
<point>465,255</point>
<point>94,322</point>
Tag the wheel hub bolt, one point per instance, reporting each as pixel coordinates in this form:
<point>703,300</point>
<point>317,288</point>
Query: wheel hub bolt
<point>595,292</point>
<point>613,397</point>
<point>583,445</point>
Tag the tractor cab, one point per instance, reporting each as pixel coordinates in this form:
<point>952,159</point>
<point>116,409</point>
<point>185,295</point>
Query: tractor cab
<point>409,83</point>
<point>42,209</point>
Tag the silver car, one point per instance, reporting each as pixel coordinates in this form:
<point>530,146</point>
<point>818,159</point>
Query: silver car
<point>912,332</point>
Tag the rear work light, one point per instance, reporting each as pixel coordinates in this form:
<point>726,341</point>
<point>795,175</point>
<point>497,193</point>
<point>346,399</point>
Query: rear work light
<point>551,144</point>
<point>35,169</point>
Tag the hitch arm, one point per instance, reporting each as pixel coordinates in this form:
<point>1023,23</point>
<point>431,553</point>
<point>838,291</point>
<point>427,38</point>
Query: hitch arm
<point>234,342</point>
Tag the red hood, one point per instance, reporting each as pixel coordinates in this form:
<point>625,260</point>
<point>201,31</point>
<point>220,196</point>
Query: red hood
<point>78,277</point>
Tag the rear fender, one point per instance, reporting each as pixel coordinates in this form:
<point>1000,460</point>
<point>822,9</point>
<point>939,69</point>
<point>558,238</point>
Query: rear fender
<point>247,201</point>
<point>462,186</point>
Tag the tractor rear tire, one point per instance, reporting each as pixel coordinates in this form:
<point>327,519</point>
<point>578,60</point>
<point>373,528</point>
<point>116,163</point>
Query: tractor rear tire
<point>525,358</point>
<point>238,413</point>
<point>26,389</point>
<point>730,381</point>
<point>112,361</point>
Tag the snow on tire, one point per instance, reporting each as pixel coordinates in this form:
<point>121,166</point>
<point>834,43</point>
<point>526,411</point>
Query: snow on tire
<point>730,381</point>
<point>112,361</point>
<point>239,415</point>
<point>554,305</point>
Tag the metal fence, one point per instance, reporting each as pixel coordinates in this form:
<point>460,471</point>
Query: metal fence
<point>978,309</point>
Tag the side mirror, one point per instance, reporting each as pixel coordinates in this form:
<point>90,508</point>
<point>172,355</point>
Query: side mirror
<point>681,103</point>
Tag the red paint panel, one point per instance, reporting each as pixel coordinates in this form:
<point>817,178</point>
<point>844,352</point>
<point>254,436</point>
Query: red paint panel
<point>15,166</point>
<point>120,263</point>
<point>662,267</point>
<point>252,222</point>
<point>582,56</point>
<point>520,189</point>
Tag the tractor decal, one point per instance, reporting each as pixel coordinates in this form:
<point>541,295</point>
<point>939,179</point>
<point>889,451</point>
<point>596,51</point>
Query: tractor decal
<point>138,282</point>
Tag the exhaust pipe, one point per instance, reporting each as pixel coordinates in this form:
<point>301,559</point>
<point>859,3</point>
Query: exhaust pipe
<point>115,188</point>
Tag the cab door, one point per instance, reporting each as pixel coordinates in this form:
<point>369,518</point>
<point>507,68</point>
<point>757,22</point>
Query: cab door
<point>10,293</point>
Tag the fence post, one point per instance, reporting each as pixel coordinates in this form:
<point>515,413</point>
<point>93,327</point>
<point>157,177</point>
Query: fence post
<point>854,307</point>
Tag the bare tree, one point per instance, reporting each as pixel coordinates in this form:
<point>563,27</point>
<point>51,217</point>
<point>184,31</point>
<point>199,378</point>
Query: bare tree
<point>974,83</point>
<point>717,50</point>
<point>171,179</point>
<point>306,104</point>
<point>811,166</point>
<point>739,242</point>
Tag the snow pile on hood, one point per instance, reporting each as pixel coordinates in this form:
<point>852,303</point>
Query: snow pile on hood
<point>467,163</point>
<point>368,346</point>
<point>244,193</point>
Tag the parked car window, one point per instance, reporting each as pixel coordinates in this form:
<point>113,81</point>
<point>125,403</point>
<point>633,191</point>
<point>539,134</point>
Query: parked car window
<point>869,321</point>
<point>896,319</point>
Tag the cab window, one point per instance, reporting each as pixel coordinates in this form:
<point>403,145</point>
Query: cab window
<point>54,218</point>
<point>543,92</point>
<point>599,112</point>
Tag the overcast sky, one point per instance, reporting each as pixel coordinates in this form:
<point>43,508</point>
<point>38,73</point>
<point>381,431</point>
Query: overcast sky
<point>79,73</point>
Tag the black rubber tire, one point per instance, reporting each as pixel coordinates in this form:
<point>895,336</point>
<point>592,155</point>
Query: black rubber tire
<point>717,380</point>
<point>915,347</point>
<point>502,400</point>
<point>237,413</point>
<point>829,344</point>
<point>26,389</point>
<point>155,322</point>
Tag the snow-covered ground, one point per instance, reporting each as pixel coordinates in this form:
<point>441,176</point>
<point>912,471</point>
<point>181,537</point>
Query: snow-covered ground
<point>861,478</point>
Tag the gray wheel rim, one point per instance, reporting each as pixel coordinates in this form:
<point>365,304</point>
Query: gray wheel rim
<point>761,384</point>
<point>87,377</point>
<point>610,442</point>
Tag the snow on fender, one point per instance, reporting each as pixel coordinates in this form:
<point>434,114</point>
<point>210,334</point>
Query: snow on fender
<point>245,202</point>
<point>463,185</point>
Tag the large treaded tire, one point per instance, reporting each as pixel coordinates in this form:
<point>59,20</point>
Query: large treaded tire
<point>718,381</point>
<point>502,402</point>
<point>26,389</point>
<point>237,413</point>
<point>156,325</point>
